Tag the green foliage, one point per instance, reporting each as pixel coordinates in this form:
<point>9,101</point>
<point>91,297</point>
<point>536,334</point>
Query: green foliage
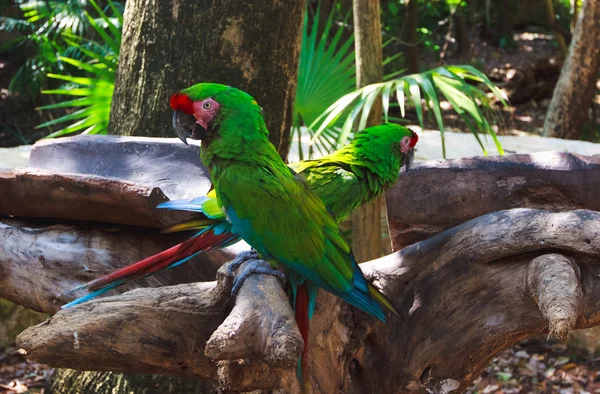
<point>326,72</point>
<point>42,35</point>
<point>93,91</point>
<point>327,102</point>
<point>469,102</point>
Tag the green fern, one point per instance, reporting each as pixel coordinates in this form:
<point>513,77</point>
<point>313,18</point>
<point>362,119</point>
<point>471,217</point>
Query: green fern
<point>93,93</point>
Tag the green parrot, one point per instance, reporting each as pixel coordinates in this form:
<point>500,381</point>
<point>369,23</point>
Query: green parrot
<point>271,208</point>
<point>347,178</point>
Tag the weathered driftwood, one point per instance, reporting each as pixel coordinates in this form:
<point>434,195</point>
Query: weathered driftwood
<point>469,289</point>
<point>44,194</point>
<point>437,195</point>
<point>469,292</point>
<point>39,261</point>
<point>107,179</point>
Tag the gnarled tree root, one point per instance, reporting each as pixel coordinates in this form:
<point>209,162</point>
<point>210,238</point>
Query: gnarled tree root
<point>469,292</point>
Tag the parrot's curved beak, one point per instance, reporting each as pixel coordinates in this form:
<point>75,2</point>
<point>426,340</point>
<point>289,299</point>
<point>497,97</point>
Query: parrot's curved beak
<point>185,126</point>
<point>407,159</point>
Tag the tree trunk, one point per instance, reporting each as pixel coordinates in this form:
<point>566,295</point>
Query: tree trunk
<point>463,32</point>
<point>69,381</point>
<point>560,39</point>
<point>505,20</point>
<point>366,221</point>
<point>576,86</point>
<point>410,36</point>
<point>168,46</point>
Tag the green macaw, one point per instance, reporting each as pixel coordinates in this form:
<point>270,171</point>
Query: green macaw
<point>347,178</point>
<point>273,210</point>
<point>269,206</point>
<point>359,172</point>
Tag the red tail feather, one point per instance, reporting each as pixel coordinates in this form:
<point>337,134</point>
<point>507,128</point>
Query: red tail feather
<point>204,242</point>
<point>302,320</point>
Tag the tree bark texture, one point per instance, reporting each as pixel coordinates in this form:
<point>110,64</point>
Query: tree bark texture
<point>69,381</point>
<point>467,293</point>
<point>367,228</point>
<point>576,86</point>
<point>437,195</point>
<point>562,44</point>
<point>168,46</point>
<point>470,287</point>
<point>60,257</point>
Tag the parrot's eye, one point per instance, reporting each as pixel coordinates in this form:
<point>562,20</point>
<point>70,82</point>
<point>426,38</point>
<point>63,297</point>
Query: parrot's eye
<point>206,105</point>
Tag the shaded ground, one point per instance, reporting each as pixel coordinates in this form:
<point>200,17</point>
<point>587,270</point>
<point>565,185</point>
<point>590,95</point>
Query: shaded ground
<point>17,375</point>
<point>533,366</point>
<point>538,366</point>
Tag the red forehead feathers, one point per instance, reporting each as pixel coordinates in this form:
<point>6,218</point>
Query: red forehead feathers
<point>181,102</point>
<point>413,139</point>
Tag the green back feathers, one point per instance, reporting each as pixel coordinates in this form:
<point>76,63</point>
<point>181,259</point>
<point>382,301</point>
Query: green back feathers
<point>358,172</point>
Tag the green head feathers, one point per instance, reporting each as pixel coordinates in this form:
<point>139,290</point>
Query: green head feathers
<point>210,111</point>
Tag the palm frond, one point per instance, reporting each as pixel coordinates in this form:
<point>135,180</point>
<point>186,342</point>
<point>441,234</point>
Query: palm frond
<point>326,71</point>
<point>452,82</point>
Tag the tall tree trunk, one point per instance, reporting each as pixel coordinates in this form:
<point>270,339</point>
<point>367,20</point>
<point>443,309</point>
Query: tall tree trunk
<point>504,21</point>
<point>410,36</point>
<point>463,31</point>
<point>576,86</point>
<point>366,221</point>
<point>170,45</point>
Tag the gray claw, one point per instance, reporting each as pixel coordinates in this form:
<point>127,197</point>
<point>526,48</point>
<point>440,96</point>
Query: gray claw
<point>255,266</point>
<point>240,259</point>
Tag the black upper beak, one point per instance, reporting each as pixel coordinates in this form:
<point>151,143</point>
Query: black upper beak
<point>185,127</point>
<point>407,160</point>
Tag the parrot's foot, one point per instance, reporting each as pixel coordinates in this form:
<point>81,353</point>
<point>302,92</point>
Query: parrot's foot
<point>241,259</point>
<point>255,266</point>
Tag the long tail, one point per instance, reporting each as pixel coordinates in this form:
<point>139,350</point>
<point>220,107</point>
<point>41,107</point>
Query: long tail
<point>305,296</point>
<point>210,238</point>
<point>366,297</point>
<point>303,322</point>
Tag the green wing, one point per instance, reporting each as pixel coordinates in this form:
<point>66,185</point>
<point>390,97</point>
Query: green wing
<point>340,189</point>
<point>279,216</point>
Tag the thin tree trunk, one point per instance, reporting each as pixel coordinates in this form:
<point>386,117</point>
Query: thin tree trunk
<point>367,227</point>
<point>576,86</point>
<point>412,20</point>
<point>562,45</point>
<point>170,45</point>
<point>463,32</point>
<point>504,31</point>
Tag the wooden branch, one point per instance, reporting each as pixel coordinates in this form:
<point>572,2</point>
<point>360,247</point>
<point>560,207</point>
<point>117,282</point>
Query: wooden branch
<point>166,330</point>
<point>39,261</point>
<point>468,292</point>
<point>418,209</point>
<point>44,194</point>
<point>554,284</point>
